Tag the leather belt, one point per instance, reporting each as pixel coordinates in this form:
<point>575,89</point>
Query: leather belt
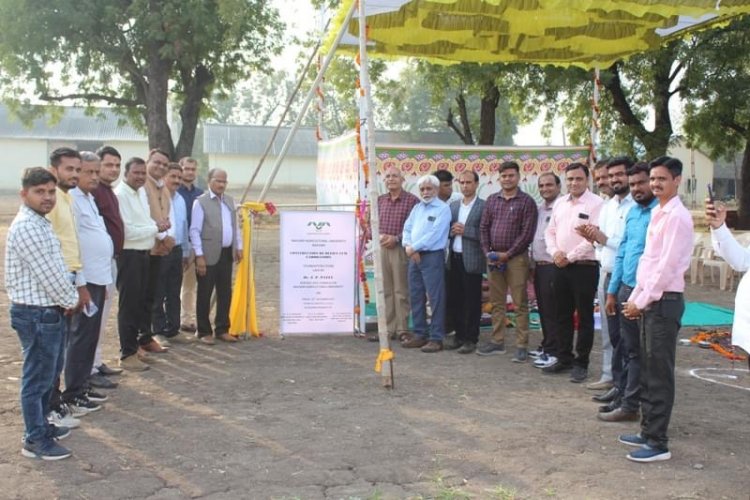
<point>671,296</point>
<point>587,262</point>
<point>544,263</point>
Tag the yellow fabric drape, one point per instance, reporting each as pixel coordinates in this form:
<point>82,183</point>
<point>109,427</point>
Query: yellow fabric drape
<point>383,355</point>
<point>242,312</point>
<point>585,33</point>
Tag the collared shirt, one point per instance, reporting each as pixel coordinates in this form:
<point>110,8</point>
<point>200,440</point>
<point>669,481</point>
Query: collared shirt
<point>196,226</point>
<point>97,249</point>
<point>631,246</point>
<point>393,213</point>
<point>539,246</point>
<point>666,257</point>
<point>463,214</point>
<point>109,209</point>
<point>159,203</point>
<point>179,217</point>
<point>508,224</point>
<point>35,271</point>
<point>612,224</point>
<point>140,228</point>
<point>426,228</point>
<point>189,195</point>
<point>561,236</point>
<point>64,226</point>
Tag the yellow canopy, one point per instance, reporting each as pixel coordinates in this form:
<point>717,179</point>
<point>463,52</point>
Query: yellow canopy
<point>586,33</point>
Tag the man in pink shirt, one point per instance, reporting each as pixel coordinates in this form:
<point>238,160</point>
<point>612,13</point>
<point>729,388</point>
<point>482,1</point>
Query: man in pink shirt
<point>576,273</point>
<point>658,300</point>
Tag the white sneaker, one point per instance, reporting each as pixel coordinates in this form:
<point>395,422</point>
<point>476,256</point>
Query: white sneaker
<point>63,418</point>
<point>536,353</point>
<point>544,361</point>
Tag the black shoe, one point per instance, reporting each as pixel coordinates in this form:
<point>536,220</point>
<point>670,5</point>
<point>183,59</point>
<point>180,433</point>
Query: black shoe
<point>451,343</point>
<point>557,368</point>
<point>606,397</point>
<point>612,406</point>
<point>96,397</point>
<point>108,370</point>
<point>101,382</point>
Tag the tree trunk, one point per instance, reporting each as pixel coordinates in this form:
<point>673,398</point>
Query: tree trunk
<point>196,89</point>
<point>656,142</point>
<point>463,115</point>
<point>488,112</point>
<point>159,133</point>
<point>743,220</point>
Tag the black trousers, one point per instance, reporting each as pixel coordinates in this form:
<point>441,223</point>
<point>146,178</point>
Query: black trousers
<point>133,314</point>
<point>218,277</point>
<point>465,304</point>
<point>661,325</point>
<point>165,312</point>
<point>628,352</point>
<point>545,301</point>
<point>575,288</point>
<point>81,343</point>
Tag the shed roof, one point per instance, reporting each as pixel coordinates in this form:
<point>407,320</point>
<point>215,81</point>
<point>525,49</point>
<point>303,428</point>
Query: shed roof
<point>253,139</point>
<point>76,123</point>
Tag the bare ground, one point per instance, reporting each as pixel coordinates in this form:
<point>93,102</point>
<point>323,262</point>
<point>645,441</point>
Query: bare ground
<point>306,417</point>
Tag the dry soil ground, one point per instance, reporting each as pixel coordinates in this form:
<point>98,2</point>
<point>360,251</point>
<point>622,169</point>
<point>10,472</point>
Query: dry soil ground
<point>307,418</point>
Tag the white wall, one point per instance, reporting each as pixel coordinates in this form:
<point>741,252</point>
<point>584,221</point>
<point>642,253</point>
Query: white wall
<point>294,171</point>
<point>693,161</point>
<point>19,154</point>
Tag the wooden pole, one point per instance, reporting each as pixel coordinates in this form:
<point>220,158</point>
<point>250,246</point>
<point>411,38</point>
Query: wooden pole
<point>283,116</point>
<point>306,103</point>
<point>368,125</point>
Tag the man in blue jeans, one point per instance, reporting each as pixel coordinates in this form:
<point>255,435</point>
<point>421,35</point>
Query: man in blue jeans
<point>41,295</point>
<point>424,239</point>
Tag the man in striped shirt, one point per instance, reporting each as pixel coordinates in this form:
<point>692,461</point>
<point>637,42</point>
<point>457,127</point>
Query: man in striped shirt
<point>41,296</point>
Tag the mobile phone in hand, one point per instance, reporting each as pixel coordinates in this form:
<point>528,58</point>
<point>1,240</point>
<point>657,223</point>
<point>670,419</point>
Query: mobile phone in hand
<point>710,194</point>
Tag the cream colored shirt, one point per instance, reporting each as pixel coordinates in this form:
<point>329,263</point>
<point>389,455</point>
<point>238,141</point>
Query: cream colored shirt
<point>140,228</point>
<point>64,226</point>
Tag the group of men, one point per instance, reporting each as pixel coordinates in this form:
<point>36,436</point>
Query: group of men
<point>82,237</point>
<point>630,246</point>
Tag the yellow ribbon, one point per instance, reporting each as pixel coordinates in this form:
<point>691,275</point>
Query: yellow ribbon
<point>242,312</point>
<point>384,355</point>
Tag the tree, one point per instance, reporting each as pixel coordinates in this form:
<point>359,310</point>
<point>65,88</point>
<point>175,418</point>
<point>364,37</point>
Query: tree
<point>717,90</point>
<point>135,55</point>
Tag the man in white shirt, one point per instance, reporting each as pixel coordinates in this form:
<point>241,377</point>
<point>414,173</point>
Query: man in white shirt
<point>96,250</point>
<point>133,316</point>
<point>606,239</point>
<point>466,263</point>
<point>215,237</point>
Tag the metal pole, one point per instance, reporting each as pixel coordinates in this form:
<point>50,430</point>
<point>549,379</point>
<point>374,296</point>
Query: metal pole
<point>306,103</point>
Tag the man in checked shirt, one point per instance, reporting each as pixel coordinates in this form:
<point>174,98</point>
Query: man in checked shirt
<point>393,209</point>
<point>41,295</point>
<point>506,231</point>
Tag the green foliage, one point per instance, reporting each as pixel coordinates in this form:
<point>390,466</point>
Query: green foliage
<point>717,89</point>
<point>133,54</point>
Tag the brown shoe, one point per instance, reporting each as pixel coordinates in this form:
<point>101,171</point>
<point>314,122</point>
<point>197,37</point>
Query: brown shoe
<point>133,364</point>
<point>154,347</point>
<point>227,338</point>
<point>207,339</point>
<point>191,328</point>
<point>432,346</point>
<point>618,415</point>
<point>184,338</point>
<point>145,357</point>
<point>414,342</point>
<point>601,385</point>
